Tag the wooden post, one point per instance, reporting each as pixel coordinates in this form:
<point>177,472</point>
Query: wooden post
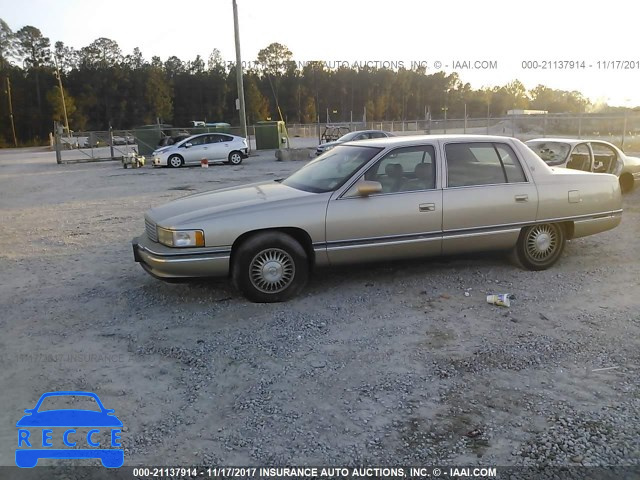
<point>13,126</point>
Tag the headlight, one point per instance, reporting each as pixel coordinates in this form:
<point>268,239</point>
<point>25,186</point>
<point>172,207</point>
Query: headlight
<point>181,238</point>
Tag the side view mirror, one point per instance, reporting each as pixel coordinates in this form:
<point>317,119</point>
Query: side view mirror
<point>187,145</point>
<point>367,187</point>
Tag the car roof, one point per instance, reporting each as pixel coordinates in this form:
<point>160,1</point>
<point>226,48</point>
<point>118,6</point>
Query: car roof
<point>570,141</point>
<point>407,140</point>
<point>209,133</point>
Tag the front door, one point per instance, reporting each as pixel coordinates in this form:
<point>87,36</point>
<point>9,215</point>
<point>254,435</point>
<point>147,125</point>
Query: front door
<point>402,221</point>
<point>197,151</point>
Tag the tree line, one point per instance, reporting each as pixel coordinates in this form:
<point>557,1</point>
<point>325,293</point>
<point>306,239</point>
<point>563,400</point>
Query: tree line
<point>103,87</point>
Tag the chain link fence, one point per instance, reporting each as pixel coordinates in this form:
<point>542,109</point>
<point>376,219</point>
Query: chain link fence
<point>621,130</point>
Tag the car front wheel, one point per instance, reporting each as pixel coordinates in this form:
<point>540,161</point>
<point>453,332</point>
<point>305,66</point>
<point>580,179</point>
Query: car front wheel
<point>540,246</point>
<point>270,267</point>
<point>235,158</point>
<point>175,161</point>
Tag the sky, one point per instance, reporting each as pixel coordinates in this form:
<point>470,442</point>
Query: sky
<point>564,45</point>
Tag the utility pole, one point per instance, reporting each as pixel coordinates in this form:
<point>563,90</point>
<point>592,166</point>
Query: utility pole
<point>243,114</point>
<point>13,127</point>
<point>465,118</point>
<point>64,104</point>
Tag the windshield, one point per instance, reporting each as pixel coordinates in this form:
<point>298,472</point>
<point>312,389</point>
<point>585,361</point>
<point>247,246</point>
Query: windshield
<point>69,402</point>
<point>553,153</point>
<point>332,169</point>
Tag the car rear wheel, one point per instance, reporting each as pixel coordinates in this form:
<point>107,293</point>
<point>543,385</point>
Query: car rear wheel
<point>235,158</point>
<point>540,246</point>
<point>175,161</point>
<point>270,267</point>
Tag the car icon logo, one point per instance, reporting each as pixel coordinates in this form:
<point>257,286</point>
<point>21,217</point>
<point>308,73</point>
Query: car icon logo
<point>35,433</point>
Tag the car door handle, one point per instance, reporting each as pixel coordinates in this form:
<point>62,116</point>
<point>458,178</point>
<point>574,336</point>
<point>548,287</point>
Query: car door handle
<point>427,207</point>
<point>522,198</point>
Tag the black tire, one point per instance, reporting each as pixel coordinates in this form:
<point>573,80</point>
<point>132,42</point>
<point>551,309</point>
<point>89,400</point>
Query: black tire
<point>626,182</point>
<point>270,267</point>
<point>235,158</point>
<point>175,161</point>
<point>540,246</point>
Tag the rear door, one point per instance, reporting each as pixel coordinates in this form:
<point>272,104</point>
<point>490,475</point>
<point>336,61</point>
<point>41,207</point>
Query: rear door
<point>487,199</point>
<point>219,146</point>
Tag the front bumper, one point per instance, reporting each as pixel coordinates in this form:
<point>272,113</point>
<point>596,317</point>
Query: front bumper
<point>157,162</point>
<point>169,264</point>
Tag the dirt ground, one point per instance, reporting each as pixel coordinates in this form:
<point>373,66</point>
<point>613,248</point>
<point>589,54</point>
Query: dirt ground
<point>384,364</point>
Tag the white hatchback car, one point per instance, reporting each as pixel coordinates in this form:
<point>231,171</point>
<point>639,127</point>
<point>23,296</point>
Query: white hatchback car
<point>213,147</point>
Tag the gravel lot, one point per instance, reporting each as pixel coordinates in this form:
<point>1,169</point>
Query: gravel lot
<point>385,364</point>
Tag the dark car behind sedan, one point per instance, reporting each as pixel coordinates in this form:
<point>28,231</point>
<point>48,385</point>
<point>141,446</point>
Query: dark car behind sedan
<point>353,136</point>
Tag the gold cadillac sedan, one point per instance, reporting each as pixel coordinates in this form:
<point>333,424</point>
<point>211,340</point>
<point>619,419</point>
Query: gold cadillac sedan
<point>383,199</point>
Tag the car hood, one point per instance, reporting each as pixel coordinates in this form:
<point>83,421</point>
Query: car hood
<point>69,418</point>
<point>225,201</point>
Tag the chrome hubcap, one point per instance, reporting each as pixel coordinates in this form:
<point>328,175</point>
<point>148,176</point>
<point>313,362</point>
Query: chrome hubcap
<point>542,242</point>
<point>175,162</point>
<point>272,270</point>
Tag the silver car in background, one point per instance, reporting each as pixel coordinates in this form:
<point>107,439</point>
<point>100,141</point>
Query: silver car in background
<point>213,147</point>
<point>589,156</point>
<point>352,137</point>
<point>372,200</point>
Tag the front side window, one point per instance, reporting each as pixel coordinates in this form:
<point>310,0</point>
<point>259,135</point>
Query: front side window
<point>201,140</point>
<point>331,169</point>
<point>482,163</point>
<point>377,135</point>
<point>405,170</point>
<point>361,136</point>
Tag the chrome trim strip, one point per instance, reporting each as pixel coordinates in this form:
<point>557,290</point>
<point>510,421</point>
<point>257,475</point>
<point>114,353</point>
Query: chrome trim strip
<point>417,236</point>
<point>447,234</point>
<point>378,242</point>
<point>205,251</point>
<point>537,222</point>
<point>587,216</point>
<point>478,234</point>
<point>196,259</point>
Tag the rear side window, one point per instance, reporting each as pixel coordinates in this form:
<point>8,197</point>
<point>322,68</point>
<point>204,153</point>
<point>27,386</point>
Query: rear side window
<point>482,163</point>
<point>511,164</point>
